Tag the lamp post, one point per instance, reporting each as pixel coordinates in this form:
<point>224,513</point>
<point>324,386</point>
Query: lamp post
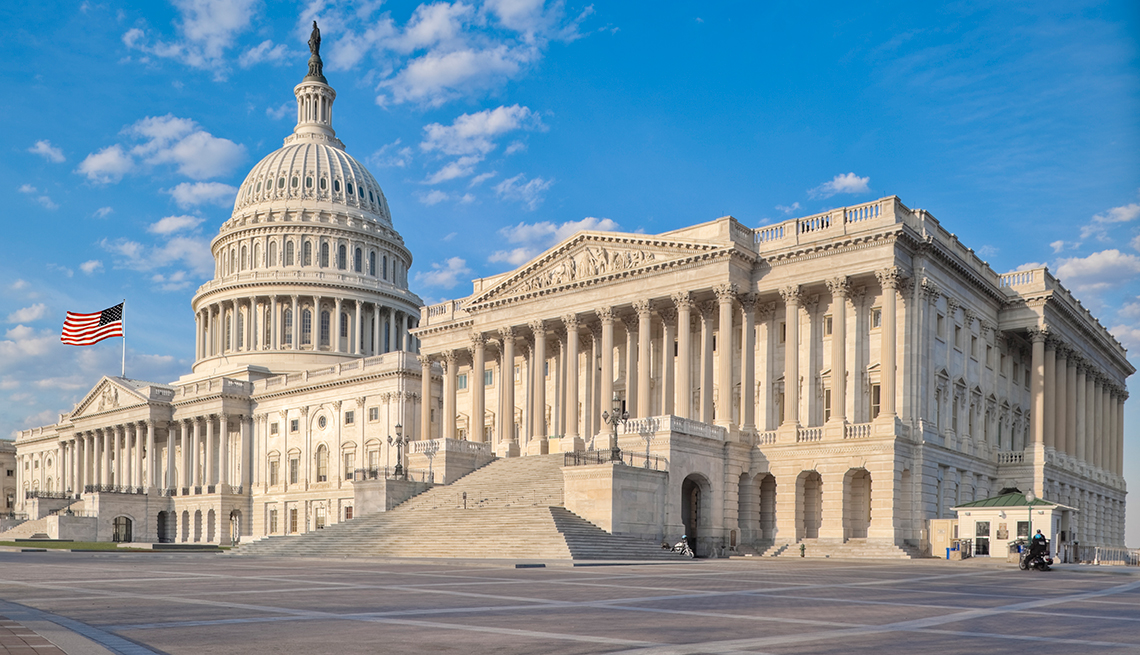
<point>1029,498</point>
<point>613,419</point>
<point>400,440</point>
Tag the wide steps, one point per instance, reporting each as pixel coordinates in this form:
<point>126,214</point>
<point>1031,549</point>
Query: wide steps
<point>513,510</point>
<point>850,549</point>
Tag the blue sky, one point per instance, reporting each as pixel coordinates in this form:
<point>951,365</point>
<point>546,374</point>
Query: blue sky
<point>496,128</point>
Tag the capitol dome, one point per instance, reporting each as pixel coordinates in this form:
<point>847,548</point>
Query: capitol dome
<point>309,269</point>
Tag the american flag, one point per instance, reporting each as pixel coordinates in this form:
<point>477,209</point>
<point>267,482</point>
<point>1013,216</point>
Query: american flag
<point>86,329</point>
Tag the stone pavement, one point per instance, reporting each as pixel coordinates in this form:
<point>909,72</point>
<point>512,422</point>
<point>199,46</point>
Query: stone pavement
<point>207,604</point>
<point>18,639</point>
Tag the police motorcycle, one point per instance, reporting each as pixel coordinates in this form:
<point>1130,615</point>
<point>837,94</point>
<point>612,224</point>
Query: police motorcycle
<point>681,547</point>
<point>1036,556</point>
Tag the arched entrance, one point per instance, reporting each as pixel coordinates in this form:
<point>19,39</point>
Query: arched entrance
<point>121,529</point>
<point>768,507</point>
<point>695,499</point>
<point>185,525</point>
<point>809,505</point>
<point>166,527</point>
<point>211,525</point>
<point>197,525</point>
<point>856,503</point>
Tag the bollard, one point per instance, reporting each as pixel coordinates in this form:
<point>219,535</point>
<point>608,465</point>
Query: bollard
<point>803,550</point>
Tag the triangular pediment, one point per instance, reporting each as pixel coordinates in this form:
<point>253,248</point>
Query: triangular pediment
<point>107,395</point>
<point>591,257</point>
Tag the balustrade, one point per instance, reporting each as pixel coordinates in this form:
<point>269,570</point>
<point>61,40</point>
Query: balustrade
<point>857,431</point>
<point>809,435</point>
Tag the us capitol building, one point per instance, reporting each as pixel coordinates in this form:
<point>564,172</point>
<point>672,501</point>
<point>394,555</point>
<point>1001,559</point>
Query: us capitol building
<point>842,378</point>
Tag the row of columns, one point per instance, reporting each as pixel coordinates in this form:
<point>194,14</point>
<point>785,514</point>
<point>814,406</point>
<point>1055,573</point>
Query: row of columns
<point>217,326</point>
<point>675,389</point>
<point>126,456</point>
<point>1076,409</point>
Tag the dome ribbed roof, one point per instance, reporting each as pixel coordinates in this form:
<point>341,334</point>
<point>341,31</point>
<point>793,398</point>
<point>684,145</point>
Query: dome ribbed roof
<point>313,170</point>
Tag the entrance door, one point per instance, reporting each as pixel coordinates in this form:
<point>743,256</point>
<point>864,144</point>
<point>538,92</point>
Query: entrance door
<point>691,508</point>
<point>981,537</point>
<point>121,529</point>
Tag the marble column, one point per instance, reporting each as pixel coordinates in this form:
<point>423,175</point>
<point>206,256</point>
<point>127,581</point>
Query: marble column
<point>425,397</point>
<point>572,368</point>
<point>296,331</point>
<point>451,368</point>
<point>223,474</point>
<point>507,385</point>
<point>606,394</point>
<point>1060,397</point>
<point>1080,414</point>
<point>538,424</point>
<point>792,296</point>
<point>630,322</point>
<point>840,289</point>
<point>725,298</point>
<point>748,362</point>
<point>334,338</point>
<point>1050,393</point>
<point>1098,421</point>
<point>644,358</point>
<point>476,387</point>
<point>358,329</point>
<point>889,279</point>
<point>392,338</point>
<point>1037,385</point>
<point>684,396</point>
<point>708,313</point>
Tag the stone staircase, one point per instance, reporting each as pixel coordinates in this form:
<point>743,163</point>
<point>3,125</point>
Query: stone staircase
<point>513,511</point>
<point>834,549</point>
<point>26,530</point>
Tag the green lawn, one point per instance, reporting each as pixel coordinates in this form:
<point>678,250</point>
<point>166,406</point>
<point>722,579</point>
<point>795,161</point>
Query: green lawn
<point>69,545</point>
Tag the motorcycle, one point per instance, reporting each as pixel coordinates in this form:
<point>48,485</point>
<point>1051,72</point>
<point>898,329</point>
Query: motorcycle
<point>681,547</point>
<point>1040,561</point>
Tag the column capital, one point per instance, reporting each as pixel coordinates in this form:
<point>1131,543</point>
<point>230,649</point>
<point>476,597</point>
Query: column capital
<point>792,295</point>
<point>449,357</point>
<point>283,413</point>
<point>506,333</point>
<point>424,360</point>
<point>570,321</point>
<point>337,404</point>
<point>890,278</point>
<point>930,290</point>
<point>305,410</point>
<point>1038,334</point>
<point>951,306</point>
<point>709,309</point>
<point>969,315</point>
<point>477,340</point>
<point>538,326</point>
<point>766,310</point>
<point>360,402</point>
<point>642,307</point>
<point>682,299</point>
<point>668,314</point>
<point>748,302</point>
<point>605,315</point>
<point>725,293</point>
<point>840,287</point>
<point>630,321</point>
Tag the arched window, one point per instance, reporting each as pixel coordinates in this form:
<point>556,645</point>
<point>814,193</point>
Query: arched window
<point>288,323</point>
<point>324,328</point>
<point>240,330</point>
<point>289,253</point>
<point>244,258</point>
<point>372,264</point>
<point>229,335</point>
<point>267,322</point>
<point>307,254</point>
<point>272,253</point>
<point>324,255</point>
<point>341,257</point>
<point>385,267</point>
<point>256,256</point>
<point>233,261</point>
<point>344,324</point>
<point>322,464</point>
<point>306,327</point>
<point>358,260</point>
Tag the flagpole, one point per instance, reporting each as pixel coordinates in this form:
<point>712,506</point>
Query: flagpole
<point>124,319</point>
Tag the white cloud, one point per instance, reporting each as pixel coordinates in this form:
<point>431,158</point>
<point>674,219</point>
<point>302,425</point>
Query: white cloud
<point>391,156</point>
<point>445,275</point>
<point>265,51</point>
<point>433,197</point>
<point>206,30</point>
<point>192,253</point>
<point>172,224</point>
<point>43,199</point>
<point>19,284</point>
<point>28,314</point>
<point>844,183</point>
<point>195,153</point>
<point>987,251</point>
<point>473,134</point>
<point>192,194</point>
<point>1101,222</point>
<point>1128,335</point>
<point>103,212</point>
<point>279,113</point>
<point>45,149</point>
<point>537,237</point>
<point>22,342</point>
<point>1100,270</point>
<point>1058,246</point>
<point>787,209</point>
<point>175,281</point>
<point>107,165</point>
<point>90,267</point>
<point>528,192</point>
<point>435,24</point>
<point>438,77</point>
<point>462,167</point>
<point>481,178</point>
<point>26,188</point>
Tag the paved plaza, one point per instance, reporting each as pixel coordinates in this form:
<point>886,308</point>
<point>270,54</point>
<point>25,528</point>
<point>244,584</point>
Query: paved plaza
<point>204,604</point>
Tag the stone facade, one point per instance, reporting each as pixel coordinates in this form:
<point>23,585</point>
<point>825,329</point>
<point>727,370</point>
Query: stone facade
<point>844,376</point>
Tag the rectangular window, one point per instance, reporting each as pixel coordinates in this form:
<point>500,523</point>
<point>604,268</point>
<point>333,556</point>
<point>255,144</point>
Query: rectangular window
<point>433,415</point>
<point>1001,363</point>
<point>714,342</point>
<point>990,356</point>
<point>826,405</point>
<point>320,518</point>
<point>349,417</point>
<point>516,373</point>
<point>827,326</point>
<point>1026,378</point>
<point>954,416</point>
<point>941,326</point>
<point>875,400</point>
<point>349,465</point>
<point>958,337</point>
<point>292,520</point>
<point>294,470</point>
<point>488,377</point>
<point>546,369</point>
<point>1023,529</point>
<point>461,382</point>
<point>783,332</point>
<point>374,459</point>
<point>272,521</point>
<point>273,477</point>
<point>876,318</point>
<point>273,428</point>
<point>373,413</point>
<point>294,425</point>
<point>348,513</point>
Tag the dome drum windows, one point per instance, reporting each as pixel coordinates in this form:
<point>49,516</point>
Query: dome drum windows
<point>358,261</point>
<point>307,254</point>
<point>295,182</point>
<point>324,255</point>
<point>324,183</point>
<point>288,253</point>
<point>336,186</point>
<point>281,183</point>
<point>341,257</point>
